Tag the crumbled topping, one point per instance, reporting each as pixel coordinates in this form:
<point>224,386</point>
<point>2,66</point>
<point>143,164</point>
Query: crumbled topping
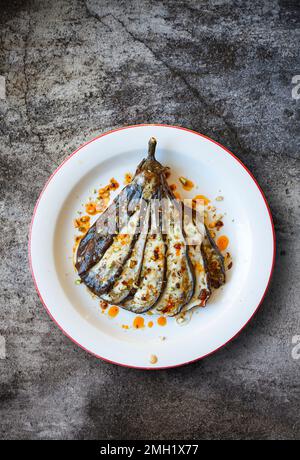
<point>153,359</point>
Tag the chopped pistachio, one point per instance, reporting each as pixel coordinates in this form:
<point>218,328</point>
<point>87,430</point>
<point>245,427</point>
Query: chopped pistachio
<point>153,359</point>
<point>183,180</point>
<point>180,320</point>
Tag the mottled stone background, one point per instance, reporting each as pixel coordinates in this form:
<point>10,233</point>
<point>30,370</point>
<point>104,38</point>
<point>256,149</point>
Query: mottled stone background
<point>74,69</point>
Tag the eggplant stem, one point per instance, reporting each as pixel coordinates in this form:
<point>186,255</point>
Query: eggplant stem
<point>152,147</point>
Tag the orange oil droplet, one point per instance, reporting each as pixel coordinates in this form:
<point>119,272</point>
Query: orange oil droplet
<point>138,322</point>
<point>162,321</point>
<point>113,311</point>
<point>150,324</point>
<point>222,242</point>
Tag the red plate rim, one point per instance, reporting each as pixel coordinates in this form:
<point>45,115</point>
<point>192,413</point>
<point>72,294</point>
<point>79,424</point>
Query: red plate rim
<point>163,126</point>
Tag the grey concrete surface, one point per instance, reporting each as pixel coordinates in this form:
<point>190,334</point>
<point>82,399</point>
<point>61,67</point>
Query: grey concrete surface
<point>74,69</point>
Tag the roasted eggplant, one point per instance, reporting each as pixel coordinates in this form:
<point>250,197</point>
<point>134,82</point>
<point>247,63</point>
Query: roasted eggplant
<point>143,252</point>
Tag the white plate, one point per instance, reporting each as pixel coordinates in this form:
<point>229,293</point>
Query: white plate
<point>248,224</point>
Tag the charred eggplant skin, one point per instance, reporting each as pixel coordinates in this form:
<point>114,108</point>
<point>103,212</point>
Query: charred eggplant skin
<point>96,284</point>
<point>94,244</point>
<point>214,261</point>
<point>101,269</point>
<point>98,239</point>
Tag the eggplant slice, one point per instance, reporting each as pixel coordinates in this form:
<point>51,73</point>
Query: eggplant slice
<point>196,234</point>
<point>102,276</point>
<point>153,273</point>
<point>143,253</point>
<point>129,277</point>
<point>214,261</point>
<point>180,283</point>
